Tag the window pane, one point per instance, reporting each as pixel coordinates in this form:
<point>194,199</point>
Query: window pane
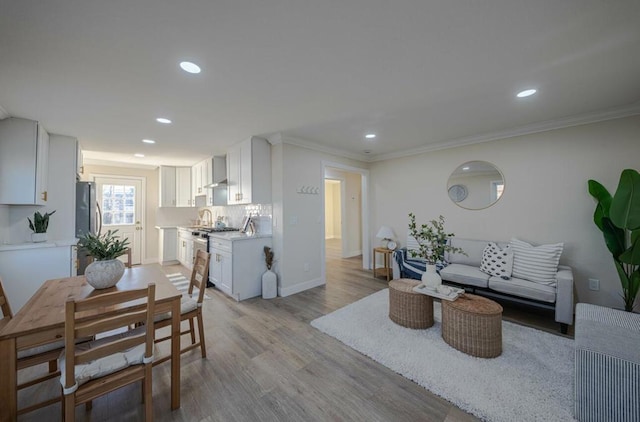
<point>118,205</point>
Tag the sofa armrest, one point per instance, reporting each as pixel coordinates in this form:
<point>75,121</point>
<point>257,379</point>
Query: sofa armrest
<point>564,295</point>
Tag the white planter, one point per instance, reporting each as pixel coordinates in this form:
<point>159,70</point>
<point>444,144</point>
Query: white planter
<point>104,274</point>
<point>431,278</point>
<point>38,237</point>
<point>269,285</point>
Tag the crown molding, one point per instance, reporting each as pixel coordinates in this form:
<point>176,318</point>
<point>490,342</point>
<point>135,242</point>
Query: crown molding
<point>577,120</point>
<point>323,148</point>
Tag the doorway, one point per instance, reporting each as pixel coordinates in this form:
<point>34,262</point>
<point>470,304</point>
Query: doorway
<point>354,218</point>
<point>333,204</point>
<point>122,206</point>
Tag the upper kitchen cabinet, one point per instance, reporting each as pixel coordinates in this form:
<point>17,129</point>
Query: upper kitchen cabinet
<point>249,172</point>
<point>24,159</point>
<point>201,177</point>
<point>175,186</point>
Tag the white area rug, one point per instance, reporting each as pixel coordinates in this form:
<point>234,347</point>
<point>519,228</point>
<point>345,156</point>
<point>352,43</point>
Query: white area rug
<point>531,381</point>
<point>182,284</point>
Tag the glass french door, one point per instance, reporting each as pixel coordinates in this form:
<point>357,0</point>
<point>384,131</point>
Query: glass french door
<point>120,200</point>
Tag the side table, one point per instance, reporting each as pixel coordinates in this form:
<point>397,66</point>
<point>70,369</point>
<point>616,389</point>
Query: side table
<point>386,270</point>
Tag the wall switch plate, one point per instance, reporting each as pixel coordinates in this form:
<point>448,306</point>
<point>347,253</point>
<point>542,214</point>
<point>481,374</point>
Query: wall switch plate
<point>594,284</point>
<point>306,267</point>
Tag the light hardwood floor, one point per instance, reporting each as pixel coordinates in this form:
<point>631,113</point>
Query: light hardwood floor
<point>266,363</point>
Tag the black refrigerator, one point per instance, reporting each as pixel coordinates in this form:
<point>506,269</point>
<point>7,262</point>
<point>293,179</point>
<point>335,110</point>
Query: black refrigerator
<point>88,218</point>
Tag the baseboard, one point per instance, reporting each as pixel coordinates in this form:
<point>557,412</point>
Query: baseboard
<point>352,254</point>
<point>150,261</point>
<point>300,287</point>
<point>170,262</point>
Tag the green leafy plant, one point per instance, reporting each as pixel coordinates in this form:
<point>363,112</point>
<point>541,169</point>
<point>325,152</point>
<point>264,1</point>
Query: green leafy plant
<point>40,222</point>
<point>432,240</point>
<point>618,217</point>
<point>105,247</point>
<point>268,257</point>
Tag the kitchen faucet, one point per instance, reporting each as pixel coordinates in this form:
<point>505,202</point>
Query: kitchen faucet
<point>209,218</point>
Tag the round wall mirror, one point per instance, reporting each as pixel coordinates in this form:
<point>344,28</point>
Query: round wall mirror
<point>475,185</point>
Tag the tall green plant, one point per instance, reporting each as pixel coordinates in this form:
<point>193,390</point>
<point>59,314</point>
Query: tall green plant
<point>105,247</point>
<point>618,217</point>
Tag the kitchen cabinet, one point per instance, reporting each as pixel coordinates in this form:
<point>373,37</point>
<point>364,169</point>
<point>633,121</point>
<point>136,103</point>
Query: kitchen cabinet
<point>24,161</point>
<point>185,248</point>
<point>183,187</point>
<point>202,176</point>
<point>167,186</point>
<point>249,172</point>
<point>236,266</point>
<point>25,268</point>
<point>168,246</point>
<point>175,186</point>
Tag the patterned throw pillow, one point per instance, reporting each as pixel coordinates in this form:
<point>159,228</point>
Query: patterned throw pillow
<point>496,261</point>
<point>536,263</point>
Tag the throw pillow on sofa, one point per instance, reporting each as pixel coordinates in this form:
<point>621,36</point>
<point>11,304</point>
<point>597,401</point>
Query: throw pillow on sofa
<point>496,261</point>
<point>536,263</point>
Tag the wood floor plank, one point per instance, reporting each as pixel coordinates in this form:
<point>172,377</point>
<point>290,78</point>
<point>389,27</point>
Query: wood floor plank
<point>266,363</point>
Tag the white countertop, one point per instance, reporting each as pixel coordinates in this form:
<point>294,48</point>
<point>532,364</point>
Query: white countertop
<point>38,245</point>
<point>237,236</point>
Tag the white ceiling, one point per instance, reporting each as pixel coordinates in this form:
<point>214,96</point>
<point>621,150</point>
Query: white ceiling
<point>420,74</point>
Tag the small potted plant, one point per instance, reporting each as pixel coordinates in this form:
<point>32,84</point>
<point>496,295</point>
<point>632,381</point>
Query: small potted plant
<point>39,226</point>
<point>432,244</point>
<point>106,270</point>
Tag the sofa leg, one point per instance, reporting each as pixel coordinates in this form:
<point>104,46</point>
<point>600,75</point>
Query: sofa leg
<point>564,328</point>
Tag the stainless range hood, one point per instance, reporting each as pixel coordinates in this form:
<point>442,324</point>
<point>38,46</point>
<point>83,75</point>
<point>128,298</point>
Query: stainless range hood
<point>219,172</point>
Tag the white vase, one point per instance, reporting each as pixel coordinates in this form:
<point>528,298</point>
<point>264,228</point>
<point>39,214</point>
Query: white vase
<point>269,285</point>
<point>38,237</point>
<point>431,278</point>
<point>104,274</point>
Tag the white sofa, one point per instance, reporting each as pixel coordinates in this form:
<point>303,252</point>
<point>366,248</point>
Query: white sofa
<point>465,271</point>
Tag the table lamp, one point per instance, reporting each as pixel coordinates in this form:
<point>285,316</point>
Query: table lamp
<point>386,234</point>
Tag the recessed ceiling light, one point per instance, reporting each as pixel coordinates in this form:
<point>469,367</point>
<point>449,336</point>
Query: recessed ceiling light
<point>163,120</point>
<point>148,141</point>
<point>370,135</point>
<point>526,93</point>
<point>367,151</point>
<point>139,155</point>
<point>465,168</point>
<point>190,67</point>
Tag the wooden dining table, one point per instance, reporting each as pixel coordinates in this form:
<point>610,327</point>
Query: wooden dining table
<point>41,321</point>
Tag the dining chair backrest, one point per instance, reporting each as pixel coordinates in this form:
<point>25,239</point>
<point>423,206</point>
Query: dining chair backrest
<point>4,303</point>
<point>200,274</point>
<point>87,318</point>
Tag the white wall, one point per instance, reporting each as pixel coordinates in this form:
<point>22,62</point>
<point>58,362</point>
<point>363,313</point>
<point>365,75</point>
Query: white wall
<point>298,218</point>
<point>545,198</point>
<point>4,224</point>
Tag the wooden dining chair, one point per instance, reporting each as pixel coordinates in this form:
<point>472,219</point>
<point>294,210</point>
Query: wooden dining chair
<point>46,353</point>
<point>190,307</point>
<point>94,368</point>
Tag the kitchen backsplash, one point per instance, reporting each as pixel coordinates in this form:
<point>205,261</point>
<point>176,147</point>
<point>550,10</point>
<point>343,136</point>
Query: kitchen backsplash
<point>234,215</point>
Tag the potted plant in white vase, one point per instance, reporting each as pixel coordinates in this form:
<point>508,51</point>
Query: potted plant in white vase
<point>432,245</point>
<point>106,270</point>
<point>269,278</point>
<point>39,226</point>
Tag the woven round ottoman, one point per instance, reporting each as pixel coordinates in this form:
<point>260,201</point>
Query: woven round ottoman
<point>473,325</point>
<point>408,308</point>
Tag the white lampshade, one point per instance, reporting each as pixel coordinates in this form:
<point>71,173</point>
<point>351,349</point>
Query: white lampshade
<point>385,232</point>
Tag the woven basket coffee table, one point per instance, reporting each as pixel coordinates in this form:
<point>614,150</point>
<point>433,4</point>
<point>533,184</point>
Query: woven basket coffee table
<point>408,308</point>
<point>473,325</point>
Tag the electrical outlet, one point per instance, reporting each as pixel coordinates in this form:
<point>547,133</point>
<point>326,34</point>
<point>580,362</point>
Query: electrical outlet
<point>306,267</point>
<point>594,284</point>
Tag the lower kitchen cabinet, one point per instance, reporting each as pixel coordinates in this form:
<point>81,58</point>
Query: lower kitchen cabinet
<point>168,244</point>
<point>185,248</point>
<point>237,265</point>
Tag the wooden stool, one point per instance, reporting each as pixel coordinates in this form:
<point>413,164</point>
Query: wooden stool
<point>473,325</point>
<point>408,308</point>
